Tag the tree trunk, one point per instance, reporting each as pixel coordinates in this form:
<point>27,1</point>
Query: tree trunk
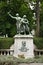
<point>37,17</point>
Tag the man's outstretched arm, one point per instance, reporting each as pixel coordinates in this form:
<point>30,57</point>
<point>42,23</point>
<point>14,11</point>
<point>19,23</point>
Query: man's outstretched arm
<point>11,15</point>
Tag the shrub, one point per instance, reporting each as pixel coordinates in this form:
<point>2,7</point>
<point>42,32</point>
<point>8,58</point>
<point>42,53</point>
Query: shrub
<point>38,42</point>
<point>8,60</point>
<point>5,43</point>
<point>31,60</point>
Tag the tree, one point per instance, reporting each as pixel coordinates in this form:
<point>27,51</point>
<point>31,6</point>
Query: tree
<point>37,17</point>
<point>38,10</point>
<point>4,22</point>
<point>7,25</point>
<point>41,20</point>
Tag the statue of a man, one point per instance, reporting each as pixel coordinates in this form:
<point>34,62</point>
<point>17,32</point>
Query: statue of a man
<point>25,24</point>
<point>18,21</point>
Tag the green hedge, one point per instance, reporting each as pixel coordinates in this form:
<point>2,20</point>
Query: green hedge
<point>5,43</point>
<point>38,42</point>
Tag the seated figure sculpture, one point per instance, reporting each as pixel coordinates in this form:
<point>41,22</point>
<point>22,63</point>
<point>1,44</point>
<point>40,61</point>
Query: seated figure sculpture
<point>23,47</point>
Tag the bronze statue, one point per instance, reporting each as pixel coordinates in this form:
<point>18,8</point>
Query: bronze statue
<point>18,21</point>
<point>22,23</point>
<point>25,24</point>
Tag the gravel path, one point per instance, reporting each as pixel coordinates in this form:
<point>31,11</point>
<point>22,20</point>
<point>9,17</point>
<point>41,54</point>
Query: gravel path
<point>31,64</point>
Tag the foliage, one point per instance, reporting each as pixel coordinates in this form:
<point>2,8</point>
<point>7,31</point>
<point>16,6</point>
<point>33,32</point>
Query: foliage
<point>7,60</point>
<point>41,20</point>
<point>38,42</point>
<point>10,60</point>
<point>31,60</point>
<point>7,25</point>
<point>4,23</point>
<point>5,43</point>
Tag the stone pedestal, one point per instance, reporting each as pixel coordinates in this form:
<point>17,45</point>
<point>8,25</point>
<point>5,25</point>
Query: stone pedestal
<point>23,46</point>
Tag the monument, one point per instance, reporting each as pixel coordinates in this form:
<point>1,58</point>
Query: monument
<point>23,43</point>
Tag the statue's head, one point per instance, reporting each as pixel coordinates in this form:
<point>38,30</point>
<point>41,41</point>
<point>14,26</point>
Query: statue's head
<point>24,16</point>
<point>17,14</point>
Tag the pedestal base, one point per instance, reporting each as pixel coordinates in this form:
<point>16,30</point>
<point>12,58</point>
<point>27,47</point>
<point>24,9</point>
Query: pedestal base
<point>23,46</point>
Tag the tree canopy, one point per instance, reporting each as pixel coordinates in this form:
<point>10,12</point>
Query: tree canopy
<point>8,25</point>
